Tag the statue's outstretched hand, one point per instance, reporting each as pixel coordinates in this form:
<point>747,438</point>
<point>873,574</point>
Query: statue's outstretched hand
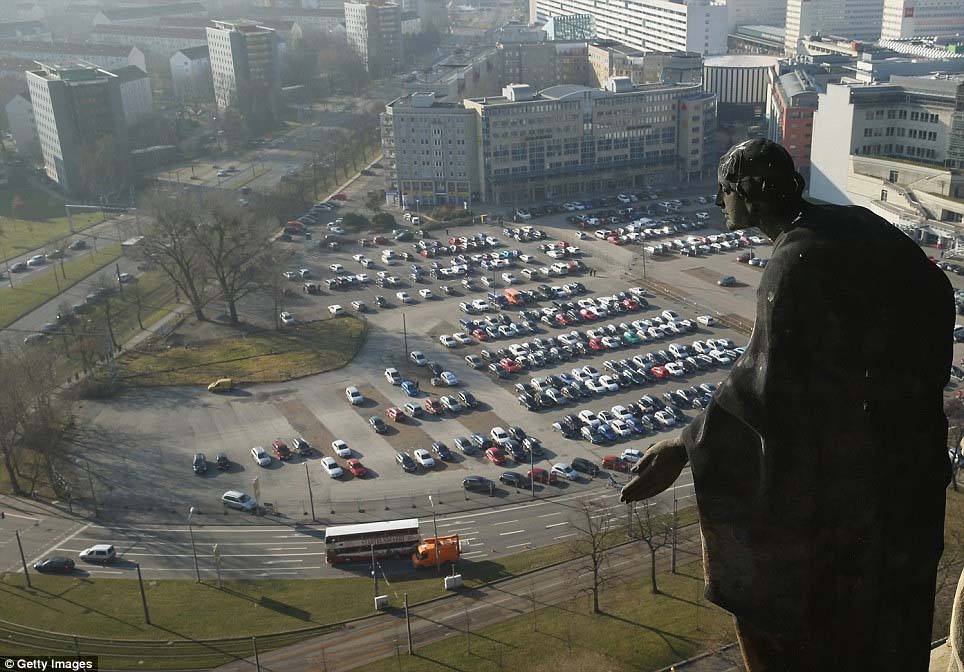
<point>657,471</point>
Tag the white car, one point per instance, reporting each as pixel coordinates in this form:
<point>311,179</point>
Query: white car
<point>499,435</point>
<point>418,359</point>
<point>621,412</point>
<point>331,467</point>
<point>706,320</point>
<point>589,417</point>
<point>304,272</point>
<point>565,470</point>
<point>632,455</point>
<point>450,404</point>
<point>609,384</point>
<point>594,385</point>
<point>719,356</point>
<point>36,260</point>
<point>509,278</point>
<point>449,378</point>
<point>702,215</point>
<point>448,341</point>
<point>425,293</point>
<point>290,275</point>
<point>354,396</point>
<point>464,339</point>
<point>621,428</point>
<point>424,458</point>
<point>670,316</point>
<point>665,418</point>
<point>403,297</point>
<point>287,318</point>
<point>480,305</point>
<point>261,456</point>
<point>526,258</point>
<point>341,448</point>
<point>675,369</point>
<point>336,268</point>
<point>125,278</point>
<point>393,376</point>
<point>336,309</point>
<point>362,278</point>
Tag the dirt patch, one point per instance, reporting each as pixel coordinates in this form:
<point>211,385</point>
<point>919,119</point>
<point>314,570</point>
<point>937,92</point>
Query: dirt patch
<point>703,273</point>
<point>307,425</point>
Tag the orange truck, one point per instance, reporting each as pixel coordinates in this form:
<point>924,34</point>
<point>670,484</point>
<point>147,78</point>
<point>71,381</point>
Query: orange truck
<point>448,549</point>
<point>514,296</point>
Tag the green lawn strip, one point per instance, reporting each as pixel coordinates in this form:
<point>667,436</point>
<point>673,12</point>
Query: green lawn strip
<point>27,295</point>
<point>260,355</point>
<point>38,220</point>
<point>638,631</point>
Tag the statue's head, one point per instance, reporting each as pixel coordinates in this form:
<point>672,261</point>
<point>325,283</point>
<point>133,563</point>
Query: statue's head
<point>758,185</point>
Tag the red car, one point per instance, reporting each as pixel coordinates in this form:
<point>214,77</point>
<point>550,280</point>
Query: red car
<point>614,463</point>
<point>339,197</point>
<point>356,468</point>
<point>629,304</point>
<point>396,414</point>
<point>587,314</point>
<point>659,372</point>
<point>433,406</point>
<point>480,334</point>
<point>379,240</point>
<point>614,240</point>
<point>541,476</point>
<point>561,320</point>
<point>596,344</point>
<point>510,365</point>
<point>495,455</point>
<point>280,449</point>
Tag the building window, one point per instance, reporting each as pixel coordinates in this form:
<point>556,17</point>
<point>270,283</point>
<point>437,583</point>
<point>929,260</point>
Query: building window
<point>883,195</point>
<point>893,176</point>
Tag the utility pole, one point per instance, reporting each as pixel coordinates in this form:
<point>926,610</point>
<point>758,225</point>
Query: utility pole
<point>216,550</point>
<point>408,627</point>
<point>435,526</point>
<point>26,574</point>
<point>532,476</point>
<point>374,573</point>
<point>675,527</point>
<point>405,336</point>
<point>311,497</point>
<point>90,479</point>
<point>190,527</point>
<point>257,660</point>
<point>140,582</point>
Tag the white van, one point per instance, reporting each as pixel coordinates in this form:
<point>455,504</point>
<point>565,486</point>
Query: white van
<point>102,553</point>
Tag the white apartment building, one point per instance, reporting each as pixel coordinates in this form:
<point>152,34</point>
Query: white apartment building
<point>921,18</point>
<point>374,31</point>
<point>756,13</point>
<point>22,126</point>
<point>244,58</point>
<point>896,148</point>
<point>651,25</point>
<point>102,55</point>
<point>191,74</point>
<point>159,40</point>
<point>855,19</point>
<point>136,96</point>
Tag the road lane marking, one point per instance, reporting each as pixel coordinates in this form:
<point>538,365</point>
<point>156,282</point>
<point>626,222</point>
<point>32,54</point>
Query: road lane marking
<point>57,544</point>
<point>566,535</point>
<point>456,522</point>
<point>505,522</point>
<point>518,545</point>
<point>288,548</point>
<point>566,522</point>
<point>17,515</point>
<point>276,562</point>
<point>505,534</point>
<point>547,515</point>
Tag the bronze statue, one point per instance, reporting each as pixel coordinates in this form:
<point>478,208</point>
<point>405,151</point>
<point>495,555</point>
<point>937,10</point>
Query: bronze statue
<point>820,465</point>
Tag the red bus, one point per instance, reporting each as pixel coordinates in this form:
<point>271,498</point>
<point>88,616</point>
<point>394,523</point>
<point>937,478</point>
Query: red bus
<point>354,543</point>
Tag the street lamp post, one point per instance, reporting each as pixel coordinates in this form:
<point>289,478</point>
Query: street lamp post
<point>438,569</point>
<point>190,527</point>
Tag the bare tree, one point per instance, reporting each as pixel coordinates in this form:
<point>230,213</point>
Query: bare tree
<point>954,410</point>
<point>655,529</point>
<point>169,242</point>
<point>593,523</point>
<point>233,245</point>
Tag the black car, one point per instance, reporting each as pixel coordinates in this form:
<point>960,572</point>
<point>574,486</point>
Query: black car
<point>517,433</point>
<point>463,444</point>
<point>405,461</point>
<point>543,401</point>
<point>514,448</point>
<point>54,564</point>
<point>585,466</point>
<point>380,301</point>
<point>468,399</point>
<point>442,451</point>
<point>302,446</point>
<point>528,402</point>
<point>200,463</point>
<point>534,446</point>
<point>477,483</point>
<point>435,368</point>
<point>222,461</point>
<point>486,355</point>
<point>377,424</point>
<point>513,478</point>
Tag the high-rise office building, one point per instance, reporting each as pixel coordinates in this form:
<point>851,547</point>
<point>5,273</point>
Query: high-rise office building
<point>75,107</point>
<point>652,25</point>
<point>245,64</point>
<point>854,19</point>
<point>921,18</point>
<point>374,31</point>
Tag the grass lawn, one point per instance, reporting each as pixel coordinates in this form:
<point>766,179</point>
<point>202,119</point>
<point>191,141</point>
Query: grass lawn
<point>638,631</point>
<point>257,356</point>
<point>28,294</point>
<point>37,220</point>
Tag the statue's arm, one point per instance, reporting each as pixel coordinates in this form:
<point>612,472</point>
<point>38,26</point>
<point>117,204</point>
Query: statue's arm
<point>657,471</point>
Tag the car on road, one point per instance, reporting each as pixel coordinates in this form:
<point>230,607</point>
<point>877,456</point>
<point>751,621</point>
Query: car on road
<point>281,450</point>
<point>336,268</point>
<point>424,458</point>
<point>565,470</point>
<point>418,359</point>
<point>199,464</point>
<point>336,309</point>
<point>425,293</point>
<point>405,461</point>
<point>260,456</point>
<point>125,278</point>
<point>726,281</point>
<point>77,245</point>
<point>102,553</point>
<point>36,260</point>
<point>356,468</point>
<point>341,448</point>
<point>393,376</point>
<point>235,499</point>
<point>54,565</point>
<point>331,467</point>
<point>354,396</point>
<point>377,424</point>
<point>480,483</point>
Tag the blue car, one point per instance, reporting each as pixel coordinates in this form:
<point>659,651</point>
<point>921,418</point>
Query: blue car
<point>410,388</point>
<point>635,426</point>
<point>606,432</point>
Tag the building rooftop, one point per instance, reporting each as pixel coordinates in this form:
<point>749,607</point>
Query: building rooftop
<point>127,13</point>
<point>796,83</point>
<point>295,13</point>
<point>424,100</point>
<point>17,29</point>
<point>196,53</point>
<point>741,61</point>
<point>69,72</point>
<point>562,91</point>
<point>128,73</point>
<point>150,31</point>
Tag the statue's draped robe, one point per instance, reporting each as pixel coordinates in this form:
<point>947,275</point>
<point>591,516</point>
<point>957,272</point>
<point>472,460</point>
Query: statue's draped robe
<point>821,465</point>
